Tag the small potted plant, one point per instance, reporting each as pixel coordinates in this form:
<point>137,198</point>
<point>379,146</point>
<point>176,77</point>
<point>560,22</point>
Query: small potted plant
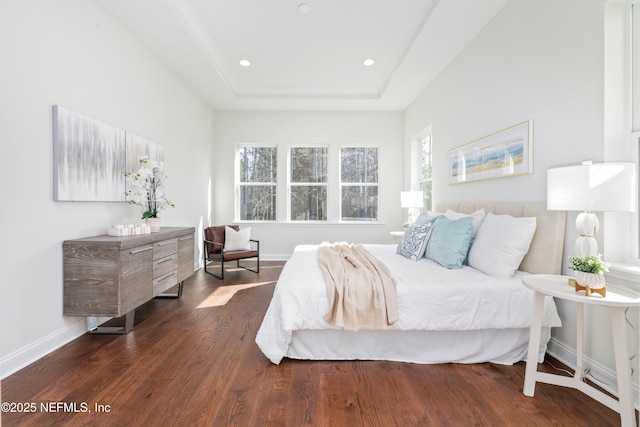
<point>589,270</point>
<point>145,190</point>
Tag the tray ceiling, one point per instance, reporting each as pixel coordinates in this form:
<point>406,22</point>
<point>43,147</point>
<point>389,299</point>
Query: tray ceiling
<point>305,54</point>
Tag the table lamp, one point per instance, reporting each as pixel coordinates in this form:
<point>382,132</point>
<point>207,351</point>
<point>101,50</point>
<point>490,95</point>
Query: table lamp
<point>411,200</point>
<point>589,187</point>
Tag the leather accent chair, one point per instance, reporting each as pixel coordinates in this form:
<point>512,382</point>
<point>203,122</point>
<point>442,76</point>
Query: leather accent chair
<point>214,250</point>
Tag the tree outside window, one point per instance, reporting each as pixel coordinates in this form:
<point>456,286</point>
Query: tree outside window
<point>257,183</point>
<point>359,183</point>
<point>308,183</point>
<point>426,183</point>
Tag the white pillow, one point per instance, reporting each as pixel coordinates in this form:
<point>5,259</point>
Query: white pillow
<point>478,216</point>
<point>501,244</point>
<point>237,240</point>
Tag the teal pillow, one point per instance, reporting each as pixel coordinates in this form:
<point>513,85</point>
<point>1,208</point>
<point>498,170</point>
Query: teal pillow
<point>427,217</point>
<point>450,240</point>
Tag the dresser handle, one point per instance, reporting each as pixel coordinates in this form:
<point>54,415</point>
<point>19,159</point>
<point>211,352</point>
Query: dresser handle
<point>137,251</point>
<point>166,259</point>
<point>166,242</point>
<point>165,277</point>
<point>186,238</point>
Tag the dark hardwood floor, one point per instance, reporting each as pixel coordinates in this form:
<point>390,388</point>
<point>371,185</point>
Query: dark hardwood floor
<point>193,361</point>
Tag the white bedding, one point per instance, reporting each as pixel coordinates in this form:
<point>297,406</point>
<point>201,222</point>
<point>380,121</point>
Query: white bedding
<point>430,298</point>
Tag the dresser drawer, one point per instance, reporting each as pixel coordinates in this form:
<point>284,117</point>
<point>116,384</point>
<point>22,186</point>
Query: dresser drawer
<point>135,275</point>
<point>164,265</point>
<point>164,248</point>
<point>185,257</point>
<point>164,282</point>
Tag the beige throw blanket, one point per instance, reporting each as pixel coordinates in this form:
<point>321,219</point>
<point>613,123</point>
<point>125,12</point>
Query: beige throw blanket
<point>360,289</point>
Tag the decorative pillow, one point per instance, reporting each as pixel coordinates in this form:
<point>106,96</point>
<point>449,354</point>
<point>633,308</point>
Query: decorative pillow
<point>414,241</point>
<point>449,241</point>
<point>478,216</point>
<point>237,240</point>
<point>501,244</point>
<point>427,217</point>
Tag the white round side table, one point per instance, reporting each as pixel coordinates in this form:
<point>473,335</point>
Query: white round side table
<point>617,300</point>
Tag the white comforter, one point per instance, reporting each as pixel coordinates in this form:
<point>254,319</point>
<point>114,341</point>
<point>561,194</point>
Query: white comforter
<point>430,298</point>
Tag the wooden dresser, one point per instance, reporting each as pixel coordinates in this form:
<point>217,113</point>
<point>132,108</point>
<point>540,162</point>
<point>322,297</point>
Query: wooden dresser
<point>107,276</point>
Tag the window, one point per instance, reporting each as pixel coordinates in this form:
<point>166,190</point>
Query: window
<point>425,181</point>
<point>257,168</point>
<point>635,65</point>
<point>309,187</point>
<point>308,184</point>
<point>634,52</point>
<point>359,183</point>
<point>622,121</point>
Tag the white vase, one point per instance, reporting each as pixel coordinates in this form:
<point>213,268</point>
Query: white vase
<point>594,281</point>
<point>154,223</point>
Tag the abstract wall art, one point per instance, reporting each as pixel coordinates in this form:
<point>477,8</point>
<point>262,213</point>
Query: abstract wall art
<point>89,158</point>
<point>138,147</point>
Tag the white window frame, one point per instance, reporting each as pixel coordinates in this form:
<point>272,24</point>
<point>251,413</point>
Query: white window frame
<point>239,184</point>
<point>342,184</point>
<point>290,184</point>
<point>416,162</point>
<point>633,105</point>
<point>424,180</point>
<point>621,140</point>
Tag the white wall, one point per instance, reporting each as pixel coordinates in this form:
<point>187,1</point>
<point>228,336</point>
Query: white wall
<point>540,60</point>
<point>537,60</point>
<point>70,53</point>
<point>384,130</point>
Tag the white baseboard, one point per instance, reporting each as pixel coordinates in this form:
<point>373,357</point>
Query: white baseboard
<point>598,373</point>
<point>23,357</point>
<point>275,257</point>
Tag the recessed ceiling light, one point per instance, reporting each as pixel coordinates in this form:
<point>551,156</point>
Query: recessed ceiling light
<point>304,8</point>
<point>244,62</point>
<point>368,62</point>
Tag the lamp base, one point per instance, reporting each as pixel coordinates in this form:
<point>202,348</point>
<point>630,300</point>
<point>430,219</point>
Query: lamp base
<point>587,225</point>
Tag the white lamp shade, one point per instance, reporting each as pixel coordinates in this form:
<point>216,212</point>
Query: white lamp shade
<point>411,199</point>
<point>608,187</point>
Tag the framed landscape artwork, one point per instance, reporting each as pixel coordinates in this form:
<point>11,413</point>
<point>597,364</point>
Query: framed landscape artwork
<point>508,152</point>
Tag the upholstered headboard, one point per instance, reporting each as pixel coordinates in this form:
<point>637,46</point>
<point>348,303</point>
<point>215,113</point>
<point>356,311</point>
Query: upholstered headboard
<point>546,252</point>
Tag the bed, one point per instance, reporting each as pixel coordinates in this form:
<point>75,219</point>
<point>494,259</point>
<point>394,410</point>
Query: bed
<point>446,315</point>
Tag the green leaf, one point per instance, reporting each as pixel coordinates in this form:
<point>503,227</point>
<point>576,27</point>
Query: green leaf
<point>149,214</point>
